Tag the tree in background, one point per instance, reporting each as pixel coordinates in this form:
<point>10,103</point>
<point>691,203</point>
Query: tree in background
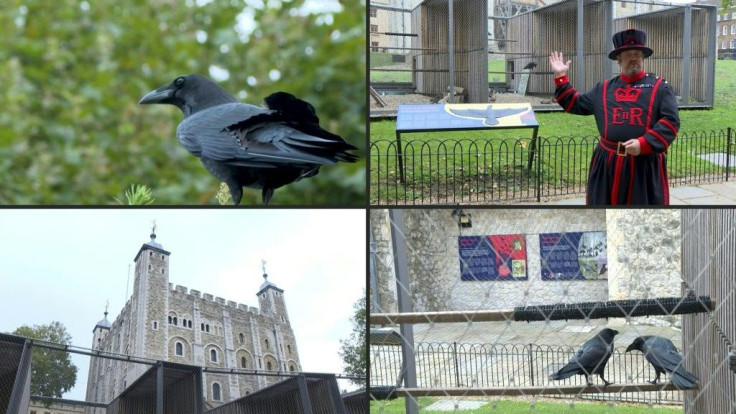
<point>71,129</point>
<point>52,372</point>
<point>354,350</point>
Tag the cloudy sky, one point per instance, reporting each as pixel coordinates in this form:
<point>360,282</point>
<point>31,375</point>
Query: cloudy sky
<point>63,265</point>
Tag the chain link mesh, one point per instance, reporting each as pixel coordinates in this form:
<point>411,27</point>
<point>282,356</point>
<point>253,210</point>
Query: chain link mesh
<point>462,308</point>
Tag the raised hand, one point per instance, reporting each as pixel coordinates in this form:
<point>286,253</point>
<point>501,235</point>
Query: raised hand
<point>557,63</point>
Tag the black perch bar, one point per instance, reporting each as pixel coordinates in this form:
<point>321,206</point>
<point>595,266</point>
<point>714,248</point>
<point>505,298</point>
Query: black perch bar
<point>614,308</point>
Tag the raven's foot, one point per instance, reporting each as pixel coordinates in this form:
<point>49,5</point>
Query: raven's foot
<point>267,193</point>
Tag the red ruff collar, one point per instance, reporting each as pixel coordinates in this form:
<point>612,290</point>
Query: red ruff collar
<point>632,79</point>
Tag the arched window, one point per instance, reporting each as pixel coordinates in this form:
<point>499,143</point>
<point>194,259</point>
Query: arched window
<point>179,349</point>
<point>269,366</point>
<point>288,347</point>
<point>216,392</point>
<point>267,347</point>
<point>176,322</point>
<point>213,355</point>
<point>292,368</point>
<point>155,325</point>
<point>241,337</point>
<point>207,327</point>
<point>190,324</point>
<point>170,320</point>
<point>242,362</point>
<point>202,327</point>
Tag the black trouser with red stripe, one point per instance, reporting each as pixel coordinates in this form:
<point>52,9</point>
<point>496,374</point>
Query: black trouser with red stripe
<point>635,180</point>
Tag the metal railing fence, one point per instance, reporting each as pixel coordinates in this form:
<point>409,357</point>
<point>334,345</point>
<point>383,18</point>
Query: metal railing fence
<point>443,364</point>
<point>467,171</point>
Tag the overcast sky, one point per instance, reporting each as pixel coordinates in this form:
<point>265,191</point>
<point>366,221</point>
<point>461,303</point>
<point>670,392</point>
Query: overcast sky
<point>63,265</point>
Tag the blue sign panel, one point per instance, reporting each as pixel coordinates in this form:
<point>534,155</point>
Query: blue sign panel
<point>573,256</point>
<point>500,257</point>
<point>438,117</point>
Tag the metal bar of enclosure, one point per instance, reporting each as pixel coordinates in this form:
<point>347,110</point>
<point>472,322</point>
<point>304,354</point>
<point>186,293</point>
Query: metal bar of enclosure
<point>527,391</point>
<point>21,391</point>
<point>451,50</point>
<point>160,389</point>
<point>304,395</point>
<point>408,369</point>
<point>583,310</point>
<point>728,151</point>
<point>441,317</point>
<point>53,400</point>
<point>580,75</point>
<point>712,52</point>
<point>687,55</point>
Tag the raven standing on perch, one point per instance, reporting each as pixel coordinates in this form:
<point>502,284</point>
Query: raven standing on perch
<point>248,146</point>
<point>591,359</point>
<point>663,355</point>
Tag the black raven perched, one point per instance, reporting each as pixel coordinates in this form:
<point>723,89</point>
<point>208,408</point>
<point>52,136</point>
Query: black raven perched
<point>591,358</point>
<point>663,355</point>
<point>246,145</point>
<point>530,65</point>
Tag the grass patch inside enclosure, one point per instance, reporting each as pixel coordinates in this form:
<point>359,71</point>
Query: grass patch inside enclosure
<point>397,406</point>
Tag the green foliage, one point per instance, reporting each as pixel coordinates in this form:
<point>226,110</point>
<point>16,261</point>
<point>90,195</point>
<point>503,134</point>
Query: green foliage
<point>398,405</point>
<point>354,351</point>
<point>71,129</point>
<point>137,195</point>
<point>52,372</point>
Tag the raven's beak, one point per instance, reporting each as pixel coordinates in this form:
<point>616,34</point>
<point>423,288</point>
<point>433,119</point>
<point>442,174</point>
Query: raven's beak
<point>629,348</point>
<point>160,95</point>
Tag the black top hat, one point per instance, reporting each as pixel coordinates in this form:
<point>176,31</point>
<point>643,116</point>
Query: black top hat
<point>631,39</point>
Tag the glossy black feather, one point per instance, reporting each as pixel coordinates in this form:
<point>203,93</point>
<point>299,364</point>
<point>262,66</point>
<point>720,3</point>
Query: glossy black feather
<point>591,358</point>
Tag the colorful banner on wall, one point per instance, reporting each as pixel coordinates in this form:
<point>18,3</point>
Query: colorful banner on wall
<point>501,257</point>
<point>574,256</point>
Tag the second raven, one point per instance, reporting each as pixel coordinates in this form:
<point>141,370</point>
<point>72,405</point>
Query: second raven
<point>663,355</point>
<point>248,146</point>
<point>590,359</point>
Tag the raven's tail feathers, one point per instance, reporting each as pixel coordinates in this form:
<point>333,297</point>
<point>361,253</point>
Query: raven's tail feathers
<point>684,379</point>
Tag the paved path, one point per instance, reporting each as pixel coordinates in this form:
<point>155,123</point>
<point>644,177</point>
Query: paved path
<point>704,195</point>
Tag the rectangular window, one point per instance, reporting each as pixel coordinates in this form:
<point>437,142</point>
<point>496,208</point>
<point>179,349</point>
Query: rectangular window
<point>725,30</point>
<point>374,12</point>
<point>374,28</point>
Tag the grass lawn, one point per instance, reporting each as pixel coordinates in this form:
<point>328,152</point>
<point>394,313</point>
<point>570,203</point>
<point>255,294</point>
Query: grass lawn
<point>381,59</point>
<point>560,162</point>
<point>397,406</point>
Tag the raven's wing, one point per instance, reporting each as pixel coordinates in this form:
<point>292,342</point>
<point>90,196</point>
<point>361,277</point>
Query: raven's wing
<point>595,355</point>
<point>662,353</point>
<point>585,361</point>
<point>251,136</point>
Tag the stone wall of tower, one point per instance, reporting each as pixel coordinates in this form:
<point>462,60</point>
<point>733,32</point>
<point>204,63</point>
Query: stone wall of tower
<point>158,317</point>
<point>233,331</point>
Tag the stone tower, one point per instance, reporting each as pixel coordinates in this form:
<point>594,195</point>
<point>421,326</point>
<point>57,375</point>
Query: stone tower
<point>164,322</point>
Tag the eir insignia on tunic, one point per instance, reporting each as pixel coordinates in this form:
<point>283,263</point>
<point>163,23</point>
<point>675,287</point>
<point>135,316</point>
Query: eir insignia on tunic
<point>627,94</point>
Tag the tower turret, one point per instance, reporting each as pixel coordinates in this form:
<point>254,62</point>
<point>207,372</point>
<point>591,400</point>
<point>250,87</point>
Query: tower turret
<point>150,300</point>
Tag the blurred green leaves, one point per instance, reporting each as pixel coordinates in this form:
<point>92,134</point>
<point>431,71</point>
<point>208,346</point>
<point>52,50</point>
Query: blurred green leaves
<point>71,131</point>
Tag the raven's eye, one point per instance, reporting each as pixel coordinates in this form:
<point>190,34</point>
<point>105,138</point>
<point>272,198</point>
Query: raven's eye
<point>179,81</point>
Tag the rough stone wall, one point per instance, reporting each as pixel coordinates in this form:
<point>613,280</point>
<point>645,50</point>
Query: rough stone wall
<point>434,265</point>
<point>643,258</point>
<point>383,286</point>
<point>644,252</point>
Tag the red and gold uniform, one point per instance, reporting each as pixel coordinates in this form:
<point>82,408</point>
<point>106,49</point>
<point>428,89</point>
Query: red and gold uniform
<point>626,107</point>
